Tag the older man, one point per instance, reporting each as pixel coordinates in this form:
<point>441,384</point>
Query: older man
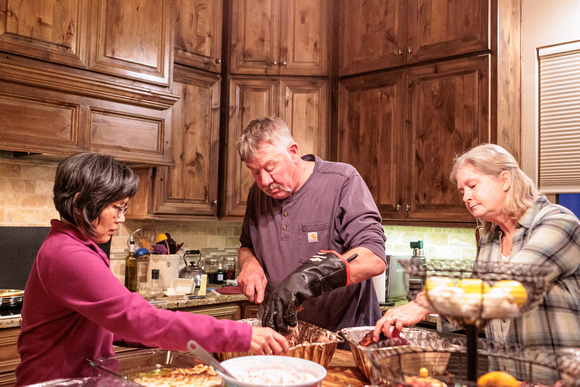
<point>312,237</point>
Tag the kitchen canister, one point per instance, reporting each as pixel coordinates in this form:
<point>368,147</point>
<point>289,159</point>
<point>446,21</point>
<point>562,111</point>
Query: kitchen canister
<point>168,265</point>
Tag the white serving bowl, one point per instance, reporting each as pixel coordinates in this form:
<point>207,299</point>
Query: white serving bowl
<point>264,371</point>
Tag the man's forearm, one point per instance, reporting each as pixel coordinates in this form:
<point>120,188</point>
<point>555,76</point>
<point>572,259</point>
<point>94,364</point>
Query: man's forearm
<point>245,255</point>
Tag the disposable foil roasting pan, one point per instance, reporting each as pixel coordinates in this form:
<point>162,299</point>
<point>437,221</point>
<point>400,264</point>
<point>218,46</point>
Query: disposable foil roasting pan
<point>306,342</point>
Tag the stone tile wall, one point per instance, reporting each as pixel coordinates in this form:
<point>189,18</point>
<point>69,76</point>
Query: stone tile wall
<point>26,200</point>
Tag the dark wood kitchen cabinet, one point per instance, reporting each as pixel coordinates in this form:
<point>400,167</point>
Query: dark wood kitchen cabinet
<point>198,34</point>
<point>409,126</point>
<point>280,37</point>
<point>301,102</point>
<point>9,357</point>
<point>378,34</point>
<point>190,186</point>
<point>87,76</point>
<point>412,120</point>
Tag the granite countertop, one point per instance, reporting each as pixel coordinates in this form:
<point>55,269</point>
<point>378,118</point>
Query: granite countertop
<point>172,302</point>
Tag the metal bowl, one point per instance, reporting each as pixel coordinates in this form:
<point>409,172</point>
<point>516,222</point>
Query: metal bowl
<point>379,362</point>
<point>309,342</point>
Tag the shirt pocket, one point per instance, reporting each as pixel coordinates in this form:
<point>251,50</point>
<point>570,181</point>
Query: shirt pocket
<point>313,238</point>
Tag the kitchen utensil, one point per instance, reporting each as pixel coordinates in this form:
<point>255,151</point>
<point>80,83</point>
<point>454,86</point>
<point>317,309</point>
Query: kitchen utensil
<point>207,358</point>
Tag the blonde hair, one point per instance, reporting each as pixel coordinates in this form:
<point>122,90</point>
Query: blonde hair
<point>492,160</point>
<point>272,130</point>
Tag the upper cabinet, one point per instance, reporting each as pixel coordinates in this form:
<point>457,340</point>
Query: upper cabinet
<point>198,34</point>
<point>87,75</point>
<point>402,127</point>
<point>279,37</point>
<point>301,102</point>
<point>190,186</point>
<point>379,34</point>
<point>128,39</point>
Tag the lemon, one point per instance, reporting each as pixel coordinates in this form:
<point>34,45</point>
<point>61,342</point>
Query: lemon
<point>473,285</point>
<point>437,281</point>
<point>516,290</point>
<point>497,379</point>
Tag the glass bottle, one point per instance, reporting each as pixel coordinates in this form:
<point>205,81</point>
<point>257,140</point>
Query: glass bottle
<point>229,268</point>
<point>211,268</point>
<point>418,264</point>
<point>131,267</point>
<point>220,275</point>
<point>155,289</point>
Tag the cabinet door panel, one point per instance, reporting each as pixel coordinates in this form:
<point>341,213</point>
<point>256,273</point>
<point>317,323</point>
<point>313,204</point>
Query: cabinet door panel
<point>304,37</point>
<point>190,186</point>
<point>449,113</point>
<point>255,42</point>
<point>132,38</point>
<point>443,28</point>
<point>372,35</point>
<point>198,33</point>
<point>370,125</point>
<point>304,107</point>
<point>49,30</point>
<point>249,99</point>
<point>38,124</point>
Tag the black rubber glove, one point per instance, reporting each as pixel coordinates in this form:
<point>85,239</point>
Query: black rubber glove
<point>324,271</point>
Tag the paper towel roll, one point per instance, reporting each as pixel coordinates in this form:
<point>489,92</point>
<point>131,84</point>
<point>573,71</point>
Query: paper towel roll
<point>380,282</point>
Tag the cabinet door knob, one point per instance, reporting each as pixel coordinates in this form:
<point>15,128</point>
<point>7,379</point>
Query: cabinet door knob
<point>214,203</point>
<point>275,63</point>
<point>218,61</point>
<point>400,52</point>
<point>407,208</point>
<point>398,206</point>
<point>410,50</point>
<point>285,63</point>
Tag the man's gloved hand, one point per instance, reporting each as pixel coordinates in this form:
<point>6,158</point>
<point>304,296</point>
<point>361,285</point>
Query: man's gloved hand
<point>324,271</point>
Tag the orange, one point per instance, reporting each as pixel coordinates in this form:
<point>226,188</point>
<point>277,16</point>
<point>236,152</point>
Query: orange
<point>497,379</point>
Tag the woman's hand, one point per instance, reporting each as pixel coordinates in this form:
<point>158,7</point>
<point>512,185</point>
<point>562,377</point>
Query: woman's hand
<point>266,341</point>
<point>402,316</point>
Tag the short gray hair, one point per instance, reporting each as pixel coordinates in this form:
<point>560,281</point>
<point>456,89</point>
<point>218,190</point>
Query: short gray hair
<point>272,130</point>
<point>492,160</point>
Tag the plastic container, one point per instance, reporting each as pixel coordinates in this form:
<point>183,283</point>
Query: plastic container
<point>168,265</point>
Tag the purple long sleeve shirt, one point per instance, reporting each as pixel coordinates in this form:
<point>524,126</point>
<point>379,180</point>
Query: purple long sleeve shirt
<point>74,305</point>
<point>333,210</point>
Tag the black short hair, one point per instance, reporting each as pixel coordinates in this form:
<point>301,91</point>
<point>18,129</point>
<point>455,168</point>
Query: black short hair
<point>99,181</point>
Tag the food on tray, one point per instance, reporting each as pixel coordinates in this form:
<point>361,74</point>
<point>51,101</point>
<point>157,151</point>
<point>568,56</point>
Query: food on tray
<point>423,380</point>
<point>199,376</point>
<point>297,337</point>
<point>394,341</point>
<point>497,378</point>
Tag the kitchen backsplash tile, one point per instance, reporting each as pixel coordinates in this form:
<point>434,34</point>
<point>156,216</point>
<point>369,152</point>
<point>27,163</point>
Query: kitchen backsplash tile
<point>26,200</point>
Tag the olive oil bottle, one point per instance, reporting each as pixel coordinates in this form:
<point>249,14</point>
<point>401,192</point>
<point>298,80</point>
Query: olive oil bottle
<point>131,267</point>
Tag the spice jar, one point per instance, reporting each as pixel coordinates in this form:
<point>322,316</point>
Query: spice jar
<point>211,268</point>
<point>229,268</point>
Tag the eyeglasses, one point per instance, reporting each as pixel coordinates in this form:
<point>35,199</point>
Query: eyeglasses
<point>120,210</point>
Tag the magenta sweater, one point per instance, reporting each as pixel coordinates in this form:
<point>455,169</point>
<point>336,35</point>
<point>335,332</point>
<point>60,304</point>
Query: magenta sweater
<point>73,305</point>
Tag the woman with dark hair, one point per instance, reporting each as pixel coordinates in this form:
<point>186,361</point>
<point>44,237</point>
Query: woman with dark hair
<point>74,305</point>
<point>520,227</point>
